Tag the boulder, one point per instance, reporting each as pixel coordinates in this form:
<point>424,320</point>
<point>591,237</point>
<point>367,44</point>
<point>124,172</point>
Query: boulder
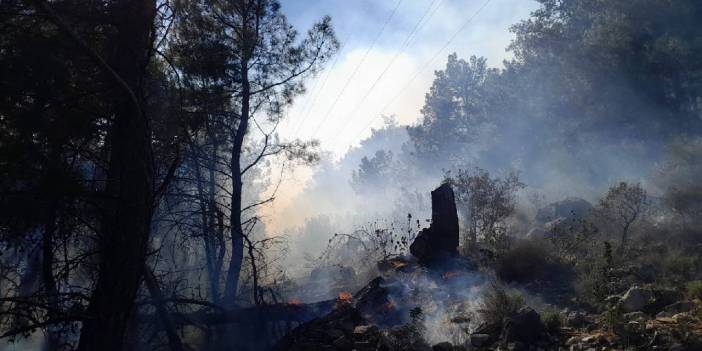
<point>525,326</point>
<point>479,340</point>
<point>636,299</point>
<point>364,330</point>
<point>441,238</point>
<point>675,308</point>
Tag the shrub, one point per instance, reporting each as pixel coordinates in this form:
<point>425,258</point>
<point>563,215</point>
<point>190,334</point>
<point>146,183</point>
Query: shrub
<point>552,319</point>
<point>530,261</point>
<point>694,289</point>
<point>498,304</point>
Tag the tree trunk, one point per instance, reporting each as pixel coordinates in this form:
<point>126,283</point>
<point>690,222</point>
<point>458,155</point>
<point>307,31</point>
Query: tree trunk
<point>237,232</point>
<point>126,216</point>
<point>162,312</point>
<point>53,339</point>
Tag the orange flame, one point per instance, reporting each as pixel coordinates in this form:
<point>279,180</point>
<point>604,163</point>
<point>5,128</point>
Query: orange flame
<point>294,301</point>
<point>345,296</point>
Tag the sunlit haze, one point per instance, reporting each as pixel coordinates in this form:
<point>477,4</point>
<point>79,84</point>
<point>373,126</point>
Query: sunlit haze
<point>339,118</point>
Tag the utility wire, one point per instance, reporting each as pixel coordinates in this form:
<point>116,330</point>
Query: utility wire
<point>363,59</point>
<point>420,24</point>
<point>308,107</point>
<point>424,67</point>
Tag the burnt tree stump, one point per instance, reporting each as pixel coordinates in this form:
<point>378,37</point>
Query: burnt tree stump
<point>441,238</point>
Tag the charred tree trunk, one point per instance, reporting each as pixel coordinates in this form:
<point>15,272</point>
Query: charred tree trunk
<point>127,212</point>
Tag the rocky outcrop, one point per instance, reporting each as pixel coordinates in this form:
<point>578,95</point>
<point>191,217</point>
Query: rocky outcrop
<point>441,238</point>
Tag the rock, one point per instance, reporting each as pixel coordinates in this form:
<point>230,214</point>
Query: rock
<point>575,319</point>
<point>572,340</point>
<point>683,317</point>
<point>664,314</point>
<point>363,330</point>
<point>680,307</point>
<point>635,316</point>
<point>524,326</point>
<point>442,346</point>
<point>572,207</point>
<point>479,340</point>
<point>635,299</point>
<point>663,297</point>
<point>441,238</point>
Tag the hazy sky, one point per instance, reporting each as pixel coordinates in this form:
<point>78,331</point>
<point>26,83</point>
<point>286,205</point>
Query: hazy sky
<point>340,117</point>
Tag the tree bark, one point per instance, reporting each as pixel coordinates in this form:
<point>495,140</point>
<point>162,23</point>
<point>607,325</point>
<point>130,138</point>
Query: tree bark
<point>237,232</point>
<point>126,216</point>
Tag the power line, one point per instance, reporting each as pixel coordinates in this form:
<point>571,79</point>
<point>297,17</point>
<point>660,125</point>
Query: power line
<point>308,107</point>
<point>420,24</point>
<point>424,67</point>
<point>343,89</point>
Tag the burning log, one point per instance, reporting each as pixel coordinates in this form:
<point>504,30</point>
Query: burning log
<point>441,238</point>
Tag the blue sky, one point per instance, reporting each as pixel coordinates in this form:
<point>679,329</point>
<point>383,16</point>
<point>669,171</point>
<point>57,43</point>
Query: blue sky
<point>338,117</point>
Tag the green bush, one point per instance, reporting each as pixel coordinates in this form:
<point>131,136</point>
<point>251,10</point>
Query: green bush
<point>498,304</point>
<point>552,319</point>
<point>694,289</point>
<point>530,261</point>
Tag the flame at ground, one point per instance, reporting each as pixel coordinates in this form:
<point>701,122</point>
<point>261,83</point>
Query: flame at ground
<point>294,301</point>
<point>345,296</point>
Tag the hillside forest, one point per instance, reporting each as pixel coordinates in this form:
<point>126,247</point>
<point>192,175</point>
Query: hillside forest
<point>551,201</point>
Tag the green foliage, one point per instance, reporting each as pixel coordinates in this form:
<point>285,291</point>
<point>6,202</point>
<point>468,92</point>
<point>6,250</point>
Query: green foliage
<point>694,289</point>
<point>498,304</point>
<point>531,261</point>
<point>623,206</point>
<point>593,281</point>
<point>613,318</point>
<point>623,74</point>
<point>552,319</point>
<point>456,112</point>
<point>372,173</point>
<point>486,203</point>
